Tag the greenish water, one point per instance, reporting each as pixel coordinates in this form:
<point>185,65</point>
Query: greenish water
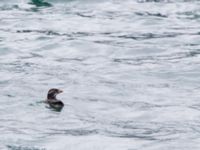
<point>40,3</point>
<point>129,71</point>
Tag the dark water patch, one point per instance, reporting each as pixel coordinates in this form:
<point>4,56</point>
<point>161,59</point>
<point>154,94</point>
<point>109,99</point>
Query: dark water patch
<point>146,14</point>
<point>157,1</point>
<point>10,120</point>
<point>111,15</point>
<point>5,82</point>
<point>40,3</point>
<point>107,82</point>
<point>19,67</point>
<point>53,109</point>
<point>9,95</point>
<point>135,61</point>
<point>163,85</point>
<point>195,126</point>
<point>16,147</point>
<point>129,135</point>
<point>148,36</point>
<point>179,56</point>
<point>31,55</point>
<point>157,59</point>
<point>5,30</point>
<point>43,31</point>
<point>1,39</point>
<point>70,59</point>
<point>193,53</point>
<point>54,33</point>
<point>195,107</point>
<point>74,132</point>
<point>84,15</point>
<point>9,7</point>
<point>108,33</point>
<point>38,103</point>
<point>107,42</point>
<point>142,105</point>
<point>192,44</point>
<point>192,15</point>
<point>146,130</point>
<point>94,99</point>
<point>81,34</point>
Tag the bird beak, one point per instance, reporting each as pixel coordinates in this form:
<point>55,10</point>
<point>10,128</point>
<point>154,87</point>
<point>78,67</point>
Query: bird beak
<point>60,91</point>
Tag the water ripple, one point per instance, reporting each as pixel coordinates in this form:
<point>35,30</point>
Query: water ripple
<point>129,71</point>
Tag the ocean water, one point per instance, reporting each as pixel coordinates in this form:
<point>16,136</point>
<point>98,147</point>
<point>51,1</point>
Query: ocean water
<point>130,71</point>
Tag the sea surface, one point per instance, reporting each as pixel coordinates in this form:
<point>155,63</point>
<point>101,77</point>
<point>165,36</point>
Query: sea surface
<point>130,71</point>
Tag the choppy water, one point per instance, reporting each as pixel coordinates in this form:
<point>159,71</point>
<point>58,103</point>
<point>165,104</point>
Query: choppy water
<point>130,71</point>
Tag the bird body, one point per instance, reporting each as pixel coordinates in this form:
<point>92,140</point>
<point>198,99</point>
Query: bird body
<point>53,101</point>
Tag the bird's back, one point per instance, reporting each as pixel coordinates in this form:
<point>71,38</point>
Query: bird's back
<point>54,103</point>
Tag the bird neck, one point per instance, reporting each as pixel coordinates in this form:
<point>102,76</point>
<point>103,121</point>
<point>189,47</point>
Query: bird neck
<point>51,96</point>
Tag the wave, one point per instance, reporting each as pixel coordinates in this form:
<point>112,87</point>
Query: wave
<point>48,3</point>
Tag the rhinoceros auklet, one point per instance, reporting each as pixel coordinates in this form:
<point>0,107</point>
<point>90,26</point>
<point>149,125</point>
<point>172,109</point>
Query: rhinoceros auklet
<point>53,101</point>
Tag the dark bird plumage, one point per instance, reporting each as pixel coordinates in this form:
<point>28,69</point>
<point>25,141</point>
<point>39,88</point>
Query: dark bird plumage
<point>53,101</point>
